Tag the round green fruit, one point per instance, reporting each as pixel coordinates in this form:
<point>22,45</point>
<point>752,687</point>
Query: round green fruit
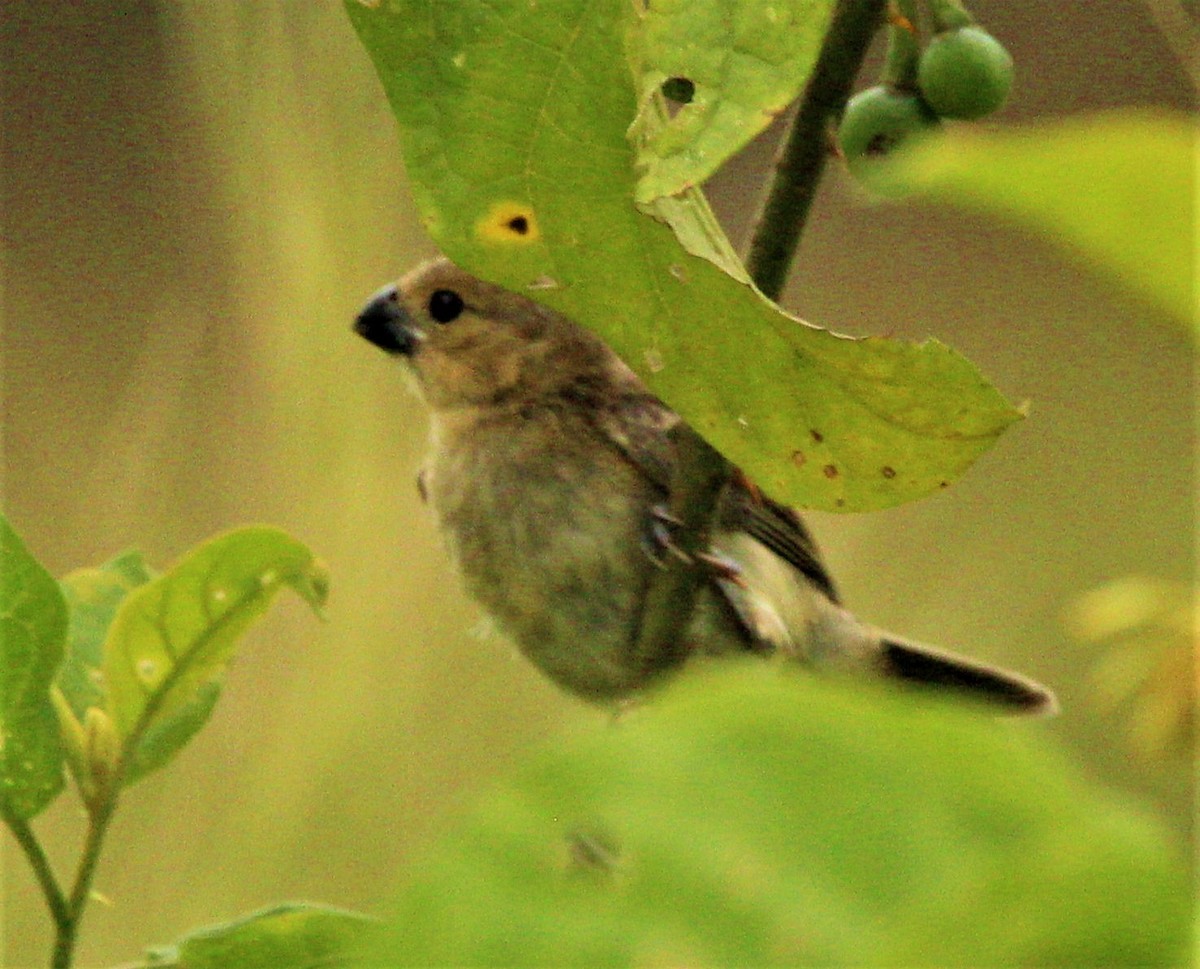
<point>877,122</point>
<point>965,73</point>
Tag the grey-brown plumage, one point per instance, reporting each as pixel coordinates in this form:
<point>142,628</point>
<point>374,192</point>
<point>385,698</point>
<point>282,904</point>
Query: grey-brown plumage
<point>548,457</point>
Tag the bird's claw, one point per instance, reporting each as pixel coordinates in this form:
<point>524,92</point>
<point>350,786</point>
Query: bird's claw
<point>721,567</point>
<point>660,541</point>
<point>659,538</point>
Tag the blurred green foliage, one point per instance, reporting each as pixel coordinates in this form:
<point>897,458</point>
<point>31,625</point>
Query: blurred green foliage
<point>289,936</point>
<point>1147,675</point>
<point>762,818</point>
<point>1113,189</point>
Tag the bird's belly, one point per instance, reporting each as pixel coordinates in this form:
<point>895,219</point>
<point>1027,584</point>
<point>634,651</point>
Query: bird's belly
<point>555,555</point>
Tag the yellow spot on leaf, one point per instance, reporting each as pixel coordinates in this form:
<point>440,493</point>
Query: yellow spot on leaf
<point>508,222</point>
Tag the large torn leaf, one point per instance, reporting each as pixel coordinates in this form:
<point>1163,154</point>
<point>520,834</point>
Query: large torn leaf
<point>513,120</point>
<point>752,818</point>
<point>172,637</point>
<point>33,627</point>
<point>744,62</point>
<point>1114,189</point>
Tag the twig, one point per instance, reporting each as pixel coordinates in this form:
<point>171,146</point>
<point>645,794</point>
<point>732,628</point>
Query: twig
<point>68,930</point>
<point>802,154</point>
<point>36,855</point>
<point>701,473</point>
<point>697,480</point>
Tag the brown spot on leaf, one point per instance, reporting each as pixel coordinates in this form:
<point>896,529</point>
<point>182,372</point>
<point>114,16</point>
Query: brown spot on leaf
<point>798,458</point>
<point>817,435</point>
<point>888,471</point>
<point>519,224</point>
<point>943,484</point>
<point>830,470</point>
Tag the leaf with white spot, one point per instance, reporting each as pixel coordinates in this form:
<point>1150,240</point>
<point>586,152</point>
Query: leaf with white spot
<point>93,596</point>
<point>172,638</point>
<point>33,627</point>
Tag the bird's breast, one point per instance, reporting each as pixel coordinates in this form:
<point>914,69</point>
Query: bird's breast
<point>546,525</point>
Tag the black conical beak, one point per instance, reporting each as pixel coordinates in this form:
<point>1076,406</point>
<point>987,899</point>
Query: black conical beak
<point>384,322</point>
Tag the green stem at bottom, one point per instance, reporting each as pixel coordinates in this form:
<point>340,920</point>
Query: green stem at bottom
<point>40,863</point>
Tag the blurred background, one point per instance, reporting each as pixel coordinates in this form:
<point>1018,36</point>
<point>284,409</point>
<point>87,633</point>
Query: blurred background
<point>198,197</point>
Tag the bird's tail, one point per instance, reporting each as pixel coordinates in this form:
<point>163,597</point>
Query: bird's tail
<point>917,663</point>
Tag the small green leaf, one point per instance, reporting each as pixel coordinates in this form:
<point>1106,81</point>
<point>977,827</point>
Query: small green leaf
<point>93,596</point>
<point>33,626</point>
<point>513,119</point>
<point>172,637</point>
<point>745,63</point>
<point>758,817</point>
<point>1115,189</point>
<point>294,935</point>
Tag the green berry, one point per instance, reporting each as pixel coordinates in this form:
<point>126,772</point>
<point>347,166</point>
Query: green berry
<point>877,122</point>
<point>965,73</point>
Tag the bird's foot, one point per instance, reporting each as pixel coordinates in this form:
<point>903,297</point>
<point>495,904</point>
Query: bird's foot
<point>659,542</point>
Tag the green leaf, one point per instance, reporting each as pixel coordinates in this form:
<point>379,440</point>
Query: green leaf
<point>759,817</point>
<point>33,627</point>
<point>746,62</point>
<point>93,596</point>
<point>172,637</point>
<point>294,935</point>
<point>513,120</point>
<point>1114,189</point>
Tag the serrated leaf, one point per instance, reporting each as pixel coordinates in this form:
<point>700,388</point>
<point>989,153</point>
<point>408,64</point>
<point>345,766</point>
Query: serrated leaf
<point>93,596</point>
<point>746,62</point>
<point>513,121</point>
<point>1115,189</point>
<point>171,638</point>
<point>33,627</point>
<point>294,935</point>
<point>752,818</point>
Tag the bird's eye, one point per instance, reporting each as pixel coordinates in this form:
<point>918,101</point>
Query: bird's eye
<point>445,305</point>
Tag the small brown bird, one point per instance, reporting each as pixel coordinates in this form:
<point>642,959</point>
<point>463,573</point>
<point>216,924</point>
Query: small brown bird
<point>549,465</point>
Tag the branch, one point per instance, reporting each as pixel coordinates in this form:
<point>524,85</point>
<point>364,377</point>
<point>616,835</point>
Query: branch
<point>701,473</point>
<point>805,147</point>
<point>697,480</point>
<point>99,817</point>
<point>36,855</point>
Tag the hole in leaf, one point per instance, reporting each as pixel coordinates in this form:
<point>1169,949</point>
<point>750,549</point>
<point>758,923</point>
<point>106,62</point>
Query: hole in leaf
<point>678,90</point>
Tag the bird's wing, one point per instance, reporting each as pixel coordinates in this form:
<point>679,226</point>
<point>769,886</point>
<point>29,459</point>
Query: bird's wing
<point>637,424</point>
<point>778,527</point>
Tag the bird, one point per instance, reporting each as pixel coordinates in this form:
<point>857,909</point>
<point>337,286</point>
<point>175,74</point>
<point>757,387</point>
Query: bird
<point>549,472</point>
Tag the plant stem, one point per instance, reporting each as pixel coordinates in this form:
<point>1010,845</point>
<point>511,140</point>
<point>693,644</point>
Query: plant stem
<point>802,154</point>
<point>40,863</point>
<point>68,929</point>
<point>699,475</point>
